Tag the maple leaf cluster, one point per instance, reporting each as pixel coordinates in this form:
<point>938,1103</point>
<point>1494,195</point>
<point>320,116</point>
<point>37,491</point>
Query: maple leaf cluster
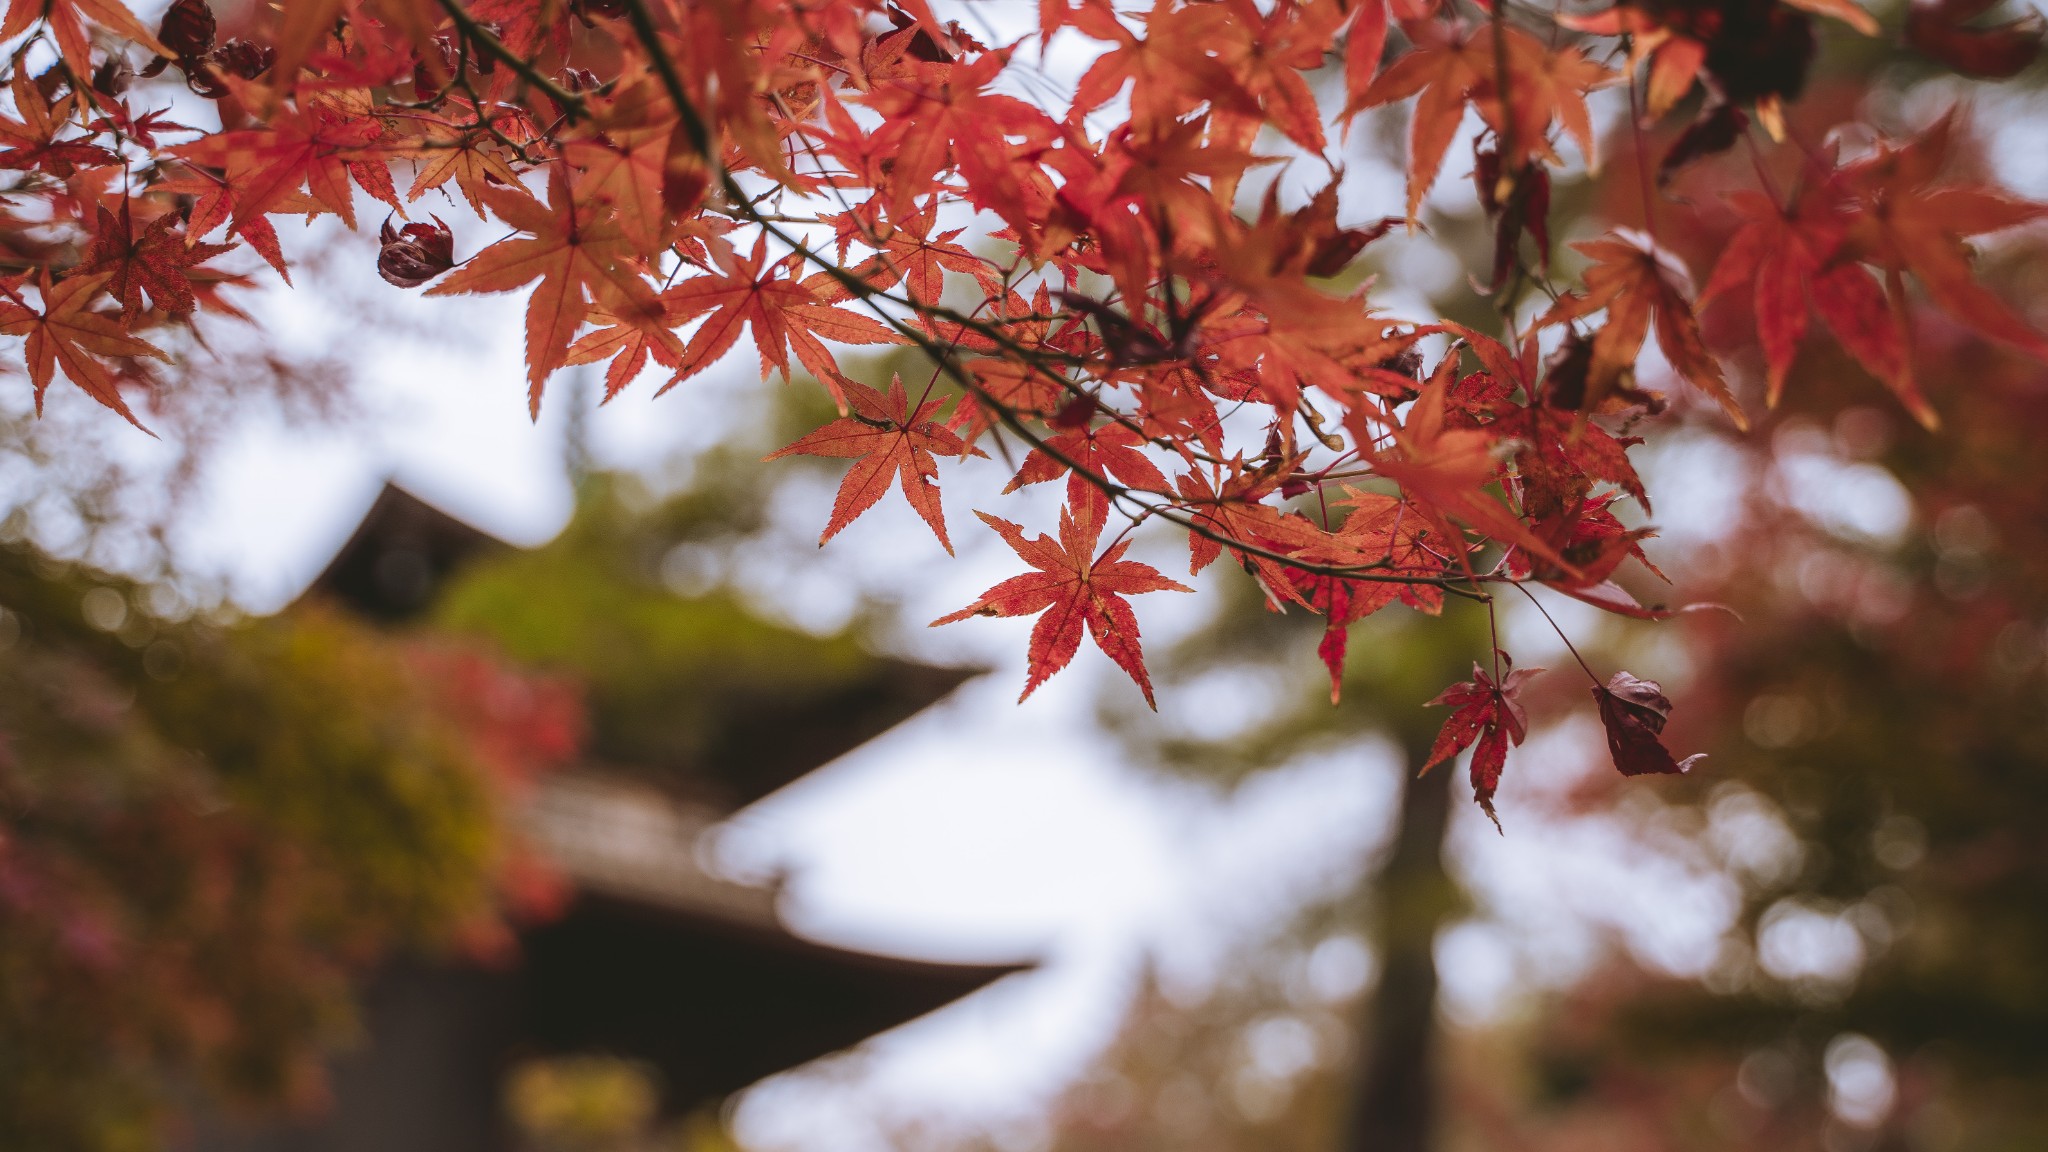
<point>1091,278</point>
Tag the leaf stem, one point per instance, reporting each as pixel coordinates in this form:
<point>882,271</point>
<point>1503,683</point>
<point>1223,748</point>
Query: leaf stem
<point>1572,648</point>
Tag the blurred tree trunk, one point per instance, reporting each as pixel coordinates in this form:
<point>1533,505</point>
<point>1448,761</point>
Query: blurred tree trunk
<point>1394,1093</point>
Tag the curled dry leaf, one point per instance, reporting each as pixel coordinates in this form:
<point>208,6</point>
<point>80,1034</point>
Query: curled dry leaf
<point>412,255</point>
<point>187,30</point>
<point>1634,712</point>
<point>1941,30</point>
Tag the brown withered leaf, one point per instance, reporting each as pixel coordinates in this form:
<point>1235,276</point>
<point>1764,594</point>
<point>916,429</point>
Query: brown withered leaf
<point>1941,30</point>
<point>1634,712</point>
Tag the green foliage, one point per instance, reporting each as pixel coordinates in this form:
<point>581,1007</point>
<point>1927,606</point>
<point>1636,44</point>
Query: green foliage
<point>677,686</point>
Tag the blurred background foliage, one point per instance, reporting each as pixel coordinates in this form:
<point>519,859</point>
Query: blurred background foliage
<point>209,826</point>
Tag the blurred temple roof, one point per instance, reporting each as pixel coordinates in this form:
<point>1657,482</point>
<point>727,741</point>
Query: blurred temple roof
<point>657,957</point>
<point>399,556</point>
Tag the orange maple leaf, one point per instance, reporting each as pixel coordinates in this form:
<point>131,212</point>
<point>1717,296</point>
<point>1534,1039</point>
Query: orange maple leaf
<point>67,333</point>
<point>1075,589</point>
<point>1445,470</point>
<point>470,157</point>
<point>783,313</point>
<point>946,121</point>
<point>887,442</point>
<point>1638,283</point>
<point>580,256</point>
<point>628,341</point>
<point>1380,531</point>
<point>623,155</point>
<point>1366,40</point>
<point>1452,63</point>
<point>66,20</point>
<point>316,142</point>
<point>1170,71</point>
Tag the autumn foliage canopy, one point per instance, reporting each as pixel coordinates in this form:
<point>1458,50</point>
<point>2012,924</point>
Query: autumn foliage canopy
<point>1107,286</point>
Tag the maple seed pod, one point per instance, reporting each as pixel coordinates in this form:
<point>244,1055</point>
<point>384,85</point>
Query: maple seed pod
<point>416,253</point>
<point>188,30</point>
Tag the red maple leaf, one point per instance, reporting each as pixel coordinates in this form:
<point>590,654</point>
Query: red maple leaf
<point>32,140</point>
<point>1385,540</point>
<point>1793,259</point>
<point>216,202</point>
<point>154,262</point>
<point>305,25</point>
<point>1486,711</point>
<point>1104,452</point>
<point>1942,30</point>
<point>143,129</point>
<point>887,442</point>
<point>1074,589</point>
<point>1233,508</point>
<point>908,255</point>
<point>1906,221</point>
